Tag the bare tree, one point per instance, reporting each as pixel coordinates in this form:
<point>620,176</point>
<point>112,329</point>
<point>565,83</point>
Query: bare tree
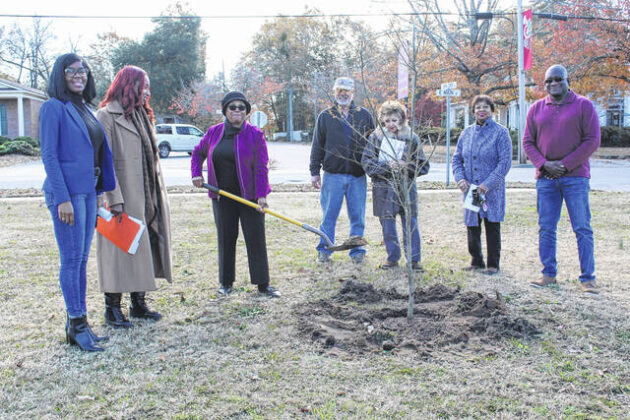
<point>468,46</point>
<point>28,52</point>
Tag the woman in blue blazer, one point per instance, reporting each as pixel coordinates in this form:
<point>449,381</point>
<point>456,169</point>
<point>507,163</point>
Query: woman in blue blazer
<point>79,166</point>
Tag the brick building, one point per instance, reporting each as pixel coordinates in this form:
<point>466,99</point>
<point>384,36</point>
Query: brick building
<point>19,109</point>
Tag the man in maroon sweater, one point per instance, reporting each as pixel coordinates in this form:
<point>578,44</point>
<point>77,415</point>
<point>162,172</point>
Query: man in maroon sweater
<point>562,132</point>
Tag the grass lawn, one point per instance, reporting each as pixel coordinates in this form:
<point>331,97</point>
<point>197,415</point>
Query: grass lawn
<point>244,356</point>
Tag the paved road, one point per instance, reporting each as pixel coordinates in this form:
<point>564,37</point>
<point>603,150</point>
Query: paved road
<point>289,164</point>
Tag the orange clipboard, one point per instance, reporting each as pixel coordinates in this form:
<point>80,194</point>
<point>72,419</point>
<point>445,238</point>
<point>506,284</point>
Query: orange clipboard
<point>124,234</point>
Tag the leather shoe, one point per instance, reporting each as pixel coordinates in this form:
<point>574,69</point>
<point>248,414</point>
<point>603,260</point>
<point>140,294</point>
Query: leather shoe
<point>225,290</point>
<point>416,266</point>
<point>589,287</point>
<point>388,265</point>
<point>269,291</point>
<point>545,281</point>
<point>77,335</point>
<point>473,268</point>
<point>95,337</point>
<point>491,271</point>
<point>113,314</point>
<point>139,309</point>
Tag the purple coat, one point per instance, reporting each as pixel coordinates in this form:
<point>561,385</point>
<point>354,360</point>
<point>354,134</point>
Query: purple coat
<point>251,160</point>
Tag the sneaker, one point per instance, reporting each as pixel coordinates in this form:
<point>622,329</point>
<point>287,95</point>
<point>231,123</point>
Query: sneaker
<point>545,281</point>
<point>323,257</point>
<point>589,287</point>
<point>358,258</point>
<point>225,290</point>
<point>270,291</point>
<point>491,271</point>
<point>387,265</point>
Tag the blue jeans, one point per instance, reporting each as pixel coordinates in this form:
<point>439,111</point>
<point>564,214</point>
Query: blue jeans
<point>74,247</point>
<point>574,191</point>
<point>390,235</point>
<point>334,188</point>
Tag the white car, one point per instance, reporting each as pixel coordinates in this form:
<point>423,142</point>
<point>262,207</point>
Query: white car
<point>177,138</point>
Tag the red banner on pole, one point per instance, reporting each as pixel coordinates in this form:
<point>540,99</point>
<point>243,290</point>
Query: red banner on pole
<point>527,39</point>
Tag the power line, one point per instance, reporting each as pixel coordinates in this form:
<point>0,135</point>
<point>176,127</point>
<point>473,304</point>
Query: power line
<point>310,15</point>
<point>592,6</point>
<point>557,16</point>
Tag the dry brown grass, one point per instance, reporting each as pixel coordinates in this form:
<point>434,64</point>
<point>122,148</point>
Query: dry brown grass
<point>241,356</point>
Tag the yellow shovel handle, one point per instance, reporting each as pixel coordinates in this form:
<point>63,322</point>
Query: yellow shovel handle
<point>251,204</point>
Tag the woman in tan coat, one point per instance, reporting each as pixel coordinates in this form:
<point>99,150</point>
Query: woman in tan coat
<point>140,192</point>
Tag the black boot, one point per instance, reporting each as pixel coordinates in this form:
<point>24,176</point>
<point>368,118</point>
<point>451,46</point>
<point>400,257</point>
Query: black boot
<point>113,315</point>
<point>77,334</point>
<point>95,337</point>
<point>139,309</point>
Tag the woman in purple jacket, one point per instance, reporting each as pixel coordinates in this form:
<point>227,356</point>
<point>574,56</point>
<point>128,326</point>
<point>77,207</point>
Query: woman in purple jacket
<point>236,155</point>
<point>483,158</point>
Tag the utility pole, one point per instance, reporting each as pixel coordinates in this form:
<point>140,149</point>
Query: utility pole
<point>412,94</point>
<point>521,81</point>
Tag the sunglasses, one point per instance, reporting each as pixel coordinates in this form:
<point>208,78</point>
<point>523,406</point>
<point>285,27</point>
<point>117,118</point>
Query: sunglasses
<point>237,107</point>
<point>554,79</point>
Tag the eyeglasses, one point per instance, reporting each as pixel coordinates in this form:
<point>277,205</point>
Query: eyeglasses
<point>235,107</point>
<point>554,79</point>
<point>71,71</point>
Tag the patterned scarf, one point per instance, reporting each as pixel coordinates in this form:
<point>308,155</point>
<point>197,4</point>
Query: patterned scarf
<point>152,196</point>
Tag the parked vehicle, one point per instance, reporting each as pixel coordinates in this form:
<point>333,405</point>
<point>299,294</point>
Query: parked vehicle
<point>298,135</point>
<point>177,138</point>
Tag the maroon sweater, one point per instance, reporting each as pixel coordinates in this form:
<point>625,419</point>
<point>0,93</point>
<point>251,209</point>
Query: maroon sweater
<point>568,131</point>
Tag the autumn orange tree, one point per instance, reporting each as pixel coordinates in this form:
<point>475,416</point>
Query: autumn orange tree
<point>200,103</point>
<point>260,89</point>
<point>594,45</point>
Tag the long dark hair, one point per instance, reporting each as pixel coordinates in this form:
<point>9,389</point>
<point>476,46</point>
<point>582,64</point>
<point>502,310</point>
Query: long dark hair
<point>57,85</point>
<point>127,89</point>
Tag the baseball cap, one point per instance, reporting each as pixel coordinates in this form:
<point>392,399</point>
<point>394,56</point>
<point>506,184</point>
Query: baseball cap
<point>344,83</point>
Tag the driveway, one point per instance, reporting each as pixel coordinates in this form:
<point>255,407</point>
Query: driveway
<point>289,164</point>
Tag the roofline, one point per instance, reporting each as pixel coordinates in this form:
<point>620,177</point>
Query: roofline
<point>24,90</point>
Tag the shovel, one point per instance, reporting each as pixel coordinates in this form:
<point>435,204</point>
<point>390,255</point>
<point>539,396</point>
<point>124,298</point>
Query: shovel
<point>352,242</point>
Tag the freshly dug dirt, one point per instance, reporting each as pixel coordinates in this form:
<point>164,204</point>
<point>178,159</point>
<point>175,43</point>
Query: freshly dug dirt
<point>361,318</point>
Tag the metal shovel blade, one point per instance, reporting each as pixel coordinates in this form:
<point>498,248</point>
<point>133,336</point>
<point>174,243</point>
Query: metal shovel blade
<point>351,242</point>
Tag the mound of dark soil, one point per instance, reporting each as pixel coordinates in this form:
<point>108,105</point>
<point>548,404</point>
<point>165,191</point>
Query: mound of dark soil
<point>361,318</point>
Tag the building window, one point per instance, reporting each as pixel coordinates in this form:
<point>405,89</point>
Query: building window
<point>614,116</point>
<point>3,120</point>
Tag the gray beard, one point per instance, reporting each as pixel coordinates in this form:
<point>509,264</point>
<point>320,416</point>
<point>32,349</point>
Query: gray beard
<point>344,103</point>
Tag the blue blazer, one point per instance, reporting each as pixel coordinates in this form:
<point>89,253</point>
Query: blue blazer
<point>68,155</point>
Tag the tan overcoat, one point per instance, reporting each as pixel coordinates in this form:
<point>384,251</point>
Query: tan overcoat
<point>119,271</point>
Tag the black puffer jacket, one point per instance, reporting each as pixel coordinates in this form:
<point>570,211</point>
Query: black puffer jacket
<point>331,149</point>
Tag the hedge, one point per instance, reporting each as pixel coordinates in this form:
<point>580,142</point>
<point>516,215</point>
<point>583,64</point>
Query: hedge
<point>19,146</point>
<point>615,136</point>
<point>33,142</point>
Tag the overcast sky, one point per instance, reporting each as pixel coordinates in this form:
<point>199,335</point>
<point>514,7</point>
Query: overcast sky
<point>228,37</point>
